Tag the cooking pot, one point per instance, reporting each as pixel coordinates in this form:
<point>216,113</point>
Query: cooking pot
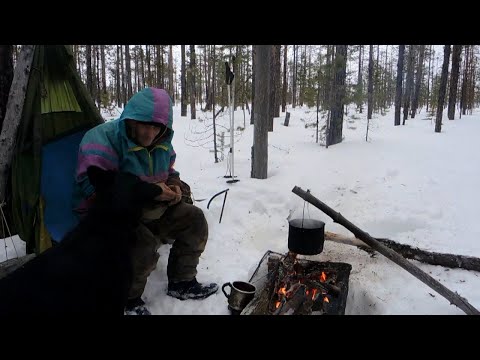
<point>306,236</point>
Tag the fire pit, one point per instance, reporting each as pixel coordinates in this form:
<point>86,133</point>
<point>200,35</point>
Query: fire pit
<point>287,285</point>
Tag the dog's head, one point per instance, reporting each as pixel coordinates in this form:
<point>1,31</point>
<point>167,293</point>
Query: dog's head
<point>122,194</point>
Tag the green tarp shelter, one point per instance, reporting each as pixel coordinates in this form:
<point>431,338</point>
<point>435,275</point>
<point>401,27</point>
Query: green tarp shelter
<point>55,112</point>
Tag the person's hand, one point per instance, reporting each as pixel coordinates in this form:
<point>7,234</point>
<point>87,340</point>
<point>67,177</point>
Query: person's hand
<point>178,194</point>
<point>167,193</point>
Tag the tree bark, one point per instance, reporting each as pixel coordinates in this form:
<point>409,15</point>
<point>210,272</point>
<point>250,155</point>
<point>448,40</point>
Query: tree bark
<point>443,88</point>
<point>104,76</point>
<point>88,56</point>
<point>433,258</point>
<point>454,298</point>
<point>294,74</point>
<point>398,92</point>
<point>360,80</point>
<point>252,118</point>
<point>260,131</point>
<point>9,266</point>
<point>271,89</point>
<point>418,82</point>
<point>452,96</point>
<point>6,77</point>
<point>193,69</point>
<point>409,82</point>
<point>183,85</point>
<point>284,91</point>
<point>340,71</point>
<point>171,87</point>
<point>129,72</point>
<point>13,113</point>
<point>117,76</point>
<point>276,111</point>
<point>466,63</point>
<point>370,83</point>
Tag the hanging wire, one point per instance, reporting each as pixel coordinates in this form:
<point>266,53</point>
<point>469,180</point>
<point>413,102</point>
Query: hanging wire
<point>5,223</point>
<point>308,209</point>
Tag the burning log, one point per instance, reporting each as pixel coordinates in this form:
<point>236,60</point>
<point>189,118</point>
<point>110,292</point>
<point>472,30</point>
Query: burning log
<point>328,288</point>
<point>298,304</point>
<point>454,298</point>
<point>314,300</point>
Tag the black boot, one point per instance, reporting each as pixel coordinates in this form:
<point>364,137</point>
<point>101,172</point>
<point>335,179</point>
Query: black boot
<point>136,307</point>
<point>192,289</point>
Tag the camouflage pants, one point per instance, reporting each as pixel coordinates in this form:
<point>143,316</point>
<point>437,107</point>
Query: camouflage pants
<point>185,225</point>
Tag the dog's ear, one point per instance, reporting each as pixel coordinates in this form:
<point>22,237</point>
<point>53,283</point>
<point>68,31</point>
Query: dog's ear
<point>99,178</point>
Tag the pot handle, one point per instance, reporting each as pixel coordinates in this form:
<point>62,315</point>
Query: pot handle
<point>223,289</point>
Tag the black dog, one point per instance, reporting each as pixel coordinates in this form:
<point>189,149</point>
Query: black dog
<point>90,271</point>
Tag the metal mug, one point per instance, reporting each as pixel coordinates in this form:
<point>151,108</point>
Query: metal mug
<point>241,293</point>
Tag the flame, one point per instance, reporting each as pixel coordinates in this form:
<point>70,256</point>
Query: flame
<point>283,291</point>
<point>323,277</point>
<point>277,304</point>
<point>314,293</point>
<point>326,299</point>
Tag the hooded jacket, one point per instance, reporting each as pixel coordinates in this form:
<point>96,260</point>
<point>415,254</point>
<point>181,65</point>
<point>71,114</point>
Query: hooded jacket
<point>108,146</point>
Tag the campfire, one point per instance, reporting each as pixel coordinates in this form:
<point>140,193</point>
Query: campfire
<point>296,286</point>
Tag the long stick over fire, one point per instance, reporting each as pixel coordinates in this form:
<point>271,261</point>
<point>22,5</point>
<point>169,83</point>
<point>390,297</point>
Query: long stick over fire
<point>454,298</point>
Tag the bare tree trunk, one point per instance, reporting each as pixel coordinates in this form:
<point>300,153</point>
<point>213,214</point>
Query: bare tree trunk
<point>213,107</point>
<point>136,82</point>
<point>360,81</point>
<point>6,78</point>
<point>193,69</point>
<point>370,83</point>
<point>253,84</point>
<point>183,85</point>
<point>443,88</point>
<point>171,85</point>
<point>303,72</point>
<point>13,113</point>
<point>148,60</point>
<point>260,131</point>
<point>428,77</point>
<point>463,99</point>
<point>271,89</point>
<point>284,92</point>
<point>117,76</point>
<point>452,99</point>
<point>277,80</point>
<point>418,82</point>
<point>129,72</point>
<point>97,77</point>
<point>208,91</point>
<point>142,68</point>
<point>157,66</point>
<point>409,83</point>
<point>88,56</point>
<point>294,81</point>
<point>104,76</point>
<point>340,72</point>
<point>124,78</point>
<point>398,93</point>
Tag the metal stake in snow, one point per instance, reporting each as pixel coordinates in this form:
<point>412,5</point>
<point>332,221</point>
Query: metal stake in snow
<point>229,76</point>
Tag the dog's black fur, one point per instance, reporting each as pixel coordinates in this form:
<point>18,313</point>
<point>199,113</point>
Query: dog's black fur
<point>90,270</point>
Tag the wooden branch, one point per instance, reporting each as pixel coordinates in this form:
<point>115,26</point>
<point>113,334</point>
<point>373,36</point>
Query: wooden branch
<point>433,258</point>
<point>11,265</point>
<point>454,298</point>
<point>13,114</point>
<point>298,304</point>
<point>329,288</point>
